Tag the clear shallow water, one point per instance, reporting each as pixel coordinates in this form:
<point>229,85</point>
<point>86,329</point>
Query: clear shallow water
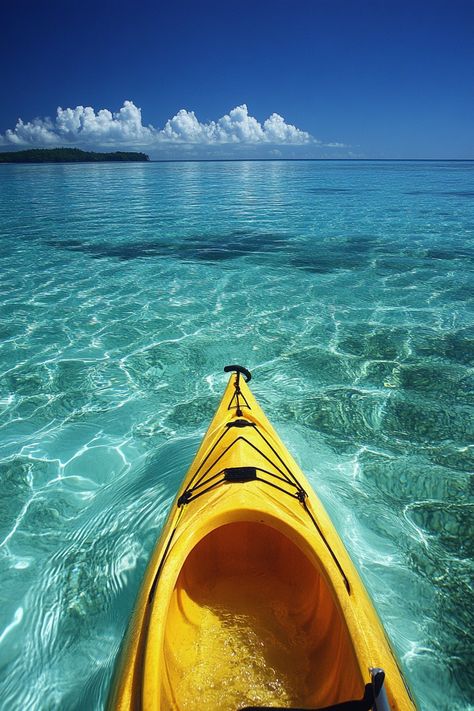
<point>124,291</point>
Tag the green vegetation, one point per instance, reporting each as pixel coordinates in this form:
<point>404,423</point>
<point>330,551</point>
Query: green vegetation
<point>68,155</point>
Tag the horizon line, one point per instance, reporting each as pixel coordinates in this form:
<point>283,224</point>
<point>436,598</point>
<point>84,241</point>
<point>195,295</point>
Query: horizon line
<point>299,160</point>
<point>253,160</point>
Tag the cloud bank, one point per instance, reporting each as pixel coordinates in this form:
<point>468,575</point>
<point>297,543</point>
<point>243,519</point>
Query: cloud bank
<point>235,134</point>
<point>125,127</point>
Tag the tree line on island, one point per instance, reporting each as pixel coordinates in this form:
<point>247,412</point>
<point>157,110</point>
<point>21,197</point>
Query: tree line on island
<point>68,155</point>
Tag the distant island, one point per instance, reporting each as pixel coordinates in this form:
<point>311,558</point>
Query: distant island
<point>68,155</point>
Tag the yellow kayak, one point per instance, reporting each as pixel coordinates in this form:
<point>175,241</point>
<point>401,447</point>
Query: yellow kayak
<point>250,599</point>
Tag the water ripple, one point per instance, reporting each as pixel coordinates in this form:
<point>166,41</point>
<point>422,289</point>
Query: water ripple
<point>126,289</point>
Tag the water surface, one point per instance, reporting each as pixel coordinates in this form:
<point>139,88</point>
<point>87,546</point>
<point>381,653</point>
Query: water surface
<point>346,287</point>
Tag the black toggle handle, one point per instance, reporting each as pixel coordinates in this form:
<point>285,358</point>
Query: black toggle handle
<point>239,369</point>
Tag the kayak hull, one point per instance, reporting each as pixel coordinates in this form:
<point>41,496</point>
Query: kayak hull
<point>250,597</point>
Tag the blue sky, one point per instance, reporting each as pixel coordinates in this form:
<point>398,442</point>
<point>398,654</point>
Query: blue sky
<point>331,78</point>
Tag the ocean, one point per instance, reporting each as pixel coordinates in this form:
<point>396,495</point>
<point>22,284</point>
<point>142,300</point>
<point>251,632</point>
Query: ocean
<point>346,287</point>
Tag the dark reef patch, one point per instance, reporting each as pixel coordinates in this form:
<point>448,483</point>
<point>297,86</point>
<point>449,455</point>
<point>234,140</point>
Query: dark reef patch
<point>324,257</point>
<point>208,248</point>
<point>451,253</point>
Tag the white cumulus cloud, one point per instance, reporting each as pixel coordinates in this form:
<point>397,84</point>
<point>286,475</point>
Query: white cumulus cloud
<point>235,127</point>
<point>238,127</point>
<point>84,126</point>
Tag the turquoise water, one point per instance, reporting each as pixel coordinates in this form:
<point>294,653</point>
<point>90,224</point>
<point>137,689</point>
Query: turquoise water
<point>125,289</point>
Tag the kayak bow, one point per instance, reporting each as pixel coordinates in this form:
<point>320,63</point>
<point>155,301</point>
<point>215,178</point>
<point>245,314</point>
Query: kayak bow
<point>250,599</point>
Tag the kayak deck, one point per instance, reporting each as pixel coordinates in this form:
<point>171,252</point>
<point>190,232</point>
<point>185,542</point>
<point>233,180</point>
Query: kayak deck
<point>248,598</point>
